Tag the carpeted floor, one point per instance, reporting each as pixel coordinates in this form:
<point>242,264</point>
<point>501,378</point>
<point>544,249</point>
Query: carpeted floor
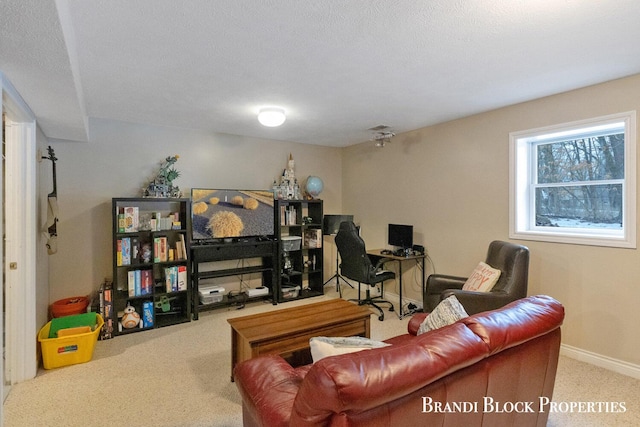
<point>180,376</point>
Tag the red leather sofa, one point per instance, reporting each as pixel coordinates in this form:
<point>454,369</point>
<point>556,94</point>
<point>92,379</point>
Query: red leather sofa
<point>495,368</point>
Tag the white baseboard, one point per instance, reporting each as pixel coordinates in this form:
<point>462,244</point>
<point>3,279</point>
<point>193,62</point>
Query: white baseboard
<point>615,365</point>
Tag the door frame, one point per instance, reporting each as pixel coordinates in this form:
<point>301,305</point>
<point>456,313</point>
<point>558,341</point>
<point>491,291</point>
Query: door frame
<point>20,230</point>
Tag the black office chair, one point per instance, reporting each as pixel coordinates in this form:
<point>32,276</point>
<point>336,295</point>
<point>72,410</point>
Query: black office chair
<point>356,265</point>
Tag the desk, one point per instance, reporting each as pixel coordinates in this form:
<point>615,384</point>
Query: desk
<point>419,259</point>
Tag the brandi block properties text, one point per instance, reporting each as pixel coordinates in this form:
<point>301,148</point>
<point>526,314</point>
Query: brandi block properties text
<point>542,405</point>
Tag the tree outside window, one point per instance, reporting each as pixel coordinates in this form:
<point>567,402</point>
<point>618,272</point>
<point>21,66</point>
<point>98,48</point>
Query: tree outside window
<point>575,183</point>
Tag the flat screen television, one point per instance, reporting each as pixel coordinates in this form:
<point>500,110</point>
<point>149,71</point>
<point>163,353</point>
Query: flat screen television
<point>400,236</point>
<point>231,214</point>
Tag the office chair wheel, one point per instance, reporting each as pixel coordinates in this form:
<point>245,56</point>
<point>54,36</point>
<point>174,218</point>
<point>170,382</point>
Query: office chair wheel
<point>392,309</point>
<point>381,317</point>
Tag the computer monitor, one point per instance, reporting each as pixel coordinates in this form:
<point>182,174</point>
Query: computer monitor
<point>331,223</point>
<point>400,236</point>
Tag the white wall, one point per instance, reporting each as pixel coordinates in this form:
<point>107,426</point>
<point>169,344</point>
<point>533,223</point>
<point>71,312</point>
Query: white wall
<point>451,181</point>
<point>122,157</point>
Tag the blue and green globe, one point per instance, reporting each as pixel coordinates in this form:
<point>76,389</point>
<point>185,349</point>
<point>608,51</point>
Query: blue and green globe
<point>314,186</point>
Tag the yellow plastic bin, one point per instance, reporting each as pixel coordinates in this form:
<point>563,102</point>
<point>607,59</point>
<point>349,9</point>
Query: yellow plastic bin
<point>70,349</point>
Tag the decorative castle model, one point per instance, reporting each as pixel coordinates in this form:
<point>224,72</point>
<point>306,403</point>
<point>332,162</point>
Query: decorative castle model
<point>288,187</point>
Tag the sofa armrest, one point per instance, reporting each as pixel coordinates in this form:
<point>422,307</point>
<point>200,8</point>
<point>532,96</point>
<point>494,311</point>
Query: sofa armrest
<point>415,322</point>
<point>476,302</point>
<point>268,386</point>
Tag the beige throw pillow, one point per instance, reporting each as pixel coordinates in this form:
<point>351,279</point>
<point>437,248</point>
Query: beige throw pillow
<point>483,278</point>
<point>447,312</point>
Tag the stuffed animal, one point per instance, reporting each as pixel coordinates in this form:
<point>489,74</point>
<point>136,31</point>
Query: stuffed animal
<point>130,319</point>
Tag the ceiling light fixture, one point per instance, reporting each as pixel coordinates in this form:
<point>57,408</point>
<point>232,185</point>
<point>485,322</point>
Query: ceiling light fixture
<point>271,116</point>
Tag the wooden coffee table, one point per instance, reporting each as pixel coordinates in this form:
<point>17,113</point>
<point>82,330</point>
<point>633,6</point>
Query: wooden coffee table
<point>287,332</point>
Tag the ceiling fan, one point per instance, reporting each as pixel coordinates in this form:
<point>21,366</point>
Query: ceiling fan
<point>382,134</point>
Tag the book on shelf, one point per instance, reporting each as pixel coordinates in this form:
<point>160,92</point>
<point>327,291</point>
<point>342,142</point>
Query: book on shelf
<point>123,255</point>
<point>171,278</point>
<point>182,278</point>
<point>119,252</point>
<point>146,285</point>
<point>160,250</point>
<point>130,219</point>
<point>147,314</point>
<point>131,283</point>
<point>312,238</point>
<point>121,222</point>
<point>183,247</point>
<point>106,309</point>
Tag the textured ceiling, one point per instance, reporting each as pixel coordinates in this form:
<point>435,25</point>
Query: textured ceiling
<point>337,67</point>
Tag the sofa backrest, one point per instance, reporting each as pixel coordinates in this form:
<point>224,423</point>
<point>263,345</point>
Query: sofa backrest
<point>510,353</point>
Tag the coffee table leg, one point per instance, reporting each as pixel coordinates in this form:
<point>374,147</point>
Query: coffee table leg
<point>234,351</point>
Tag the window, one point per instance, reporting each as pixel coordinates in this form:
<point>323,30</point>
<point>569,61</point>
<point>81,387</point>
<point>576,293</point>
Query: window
<point>575,182</point>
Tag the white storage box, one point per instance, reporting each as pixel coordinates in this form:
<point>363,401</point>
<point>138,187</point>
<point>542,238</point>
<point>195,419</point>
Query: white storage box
<point>210,294</point>
<point>211,298</point>
<point>291,243</point>
<point>289,291</point>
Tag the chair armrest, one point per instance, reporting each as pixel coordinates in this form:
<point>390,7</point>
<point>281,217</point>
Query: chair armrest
<point>436,283</point>
<point>380,262</point>
<point>476,302</point>
<point>268,386</point>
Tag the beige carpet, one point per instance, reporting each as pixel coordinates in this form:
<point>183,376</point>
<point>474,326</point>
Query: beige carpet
<point>180,376</point>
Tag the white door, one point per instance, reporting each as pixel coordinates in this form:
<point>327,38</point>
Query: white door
<point>19,239</point>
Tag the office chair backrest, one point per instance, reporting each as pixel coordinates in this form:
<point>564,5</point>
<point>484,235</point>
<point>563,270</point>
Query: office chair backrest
<point>355,264</point>
<point>513,262</point>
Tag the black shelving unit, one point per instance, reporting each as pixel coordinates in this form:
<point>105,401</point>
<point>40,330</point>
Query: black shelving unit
<point>201,254</point>
<point>300,270</point>
<point>145,230</point>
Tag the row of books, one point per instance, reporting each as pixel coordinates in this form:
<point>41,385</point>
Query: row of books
<point>140,282</point>
<point>131,251</point>
<point>130,220</point>
<point>288,215</point>
<point>175,278</point>
<point>105,296</point>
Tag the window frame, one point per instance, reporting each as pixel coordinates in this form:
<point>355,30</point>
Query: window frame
<point>522,176</point>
